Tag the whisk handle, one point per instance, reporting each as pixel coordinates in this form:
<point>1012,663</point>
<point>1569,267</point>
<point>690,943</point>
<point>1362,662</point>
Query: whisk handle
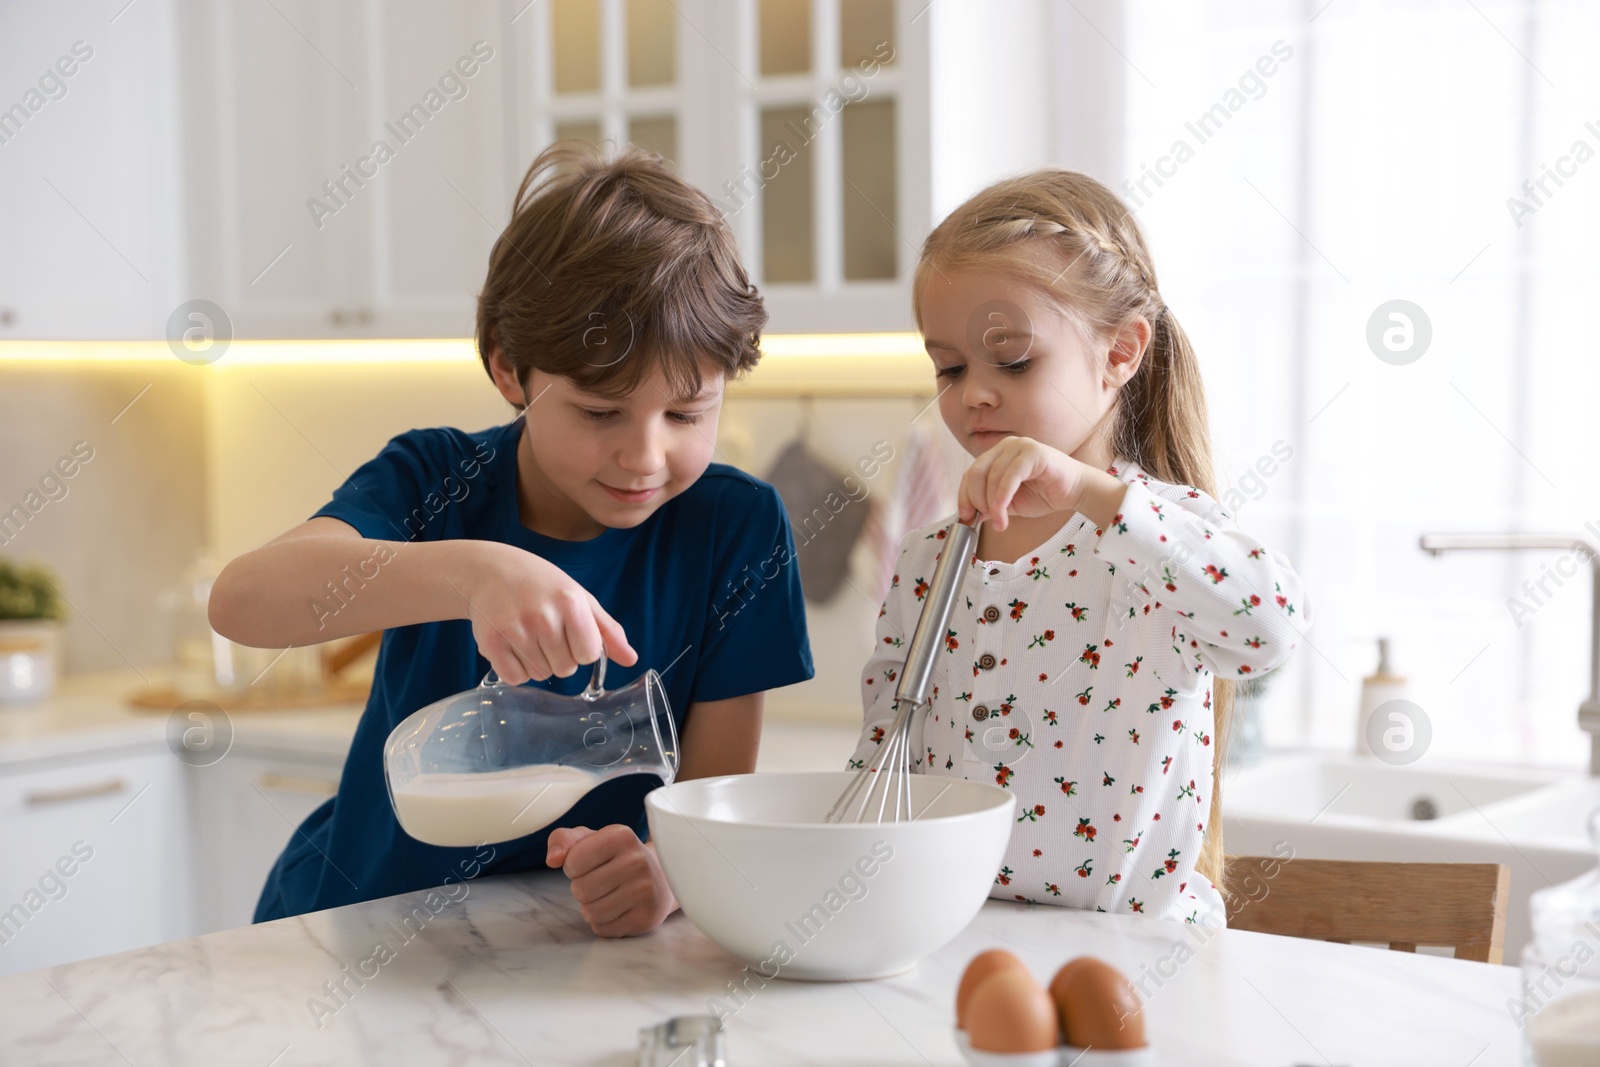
<point>937,609</point>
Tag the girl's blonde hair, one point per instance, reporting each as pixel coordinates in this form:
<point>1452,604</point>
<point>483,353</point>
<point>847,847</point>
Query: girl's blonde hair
<point>1071,240</point>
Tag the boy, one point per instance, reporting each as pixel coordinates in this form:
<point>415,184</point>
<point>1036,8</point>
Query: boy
<point>614,311</point>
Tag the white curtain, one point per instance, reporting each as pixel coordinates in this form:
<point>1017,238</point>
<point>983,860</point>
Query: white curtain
<point>1355,153</point>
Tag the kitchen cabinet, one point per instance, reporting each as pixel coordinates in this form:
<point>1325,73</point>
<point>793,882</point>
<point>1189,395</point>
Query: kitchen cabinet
<point>342,169</point>
<point>94,857</point>
<point>110,841</point>
<point>804,120</point>
<point>246,808</point>
<point>90,172</point>
<point>349,172</point>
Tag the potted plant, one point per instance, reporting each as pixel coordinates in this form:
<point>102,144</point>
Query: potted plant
<point>30,633</point>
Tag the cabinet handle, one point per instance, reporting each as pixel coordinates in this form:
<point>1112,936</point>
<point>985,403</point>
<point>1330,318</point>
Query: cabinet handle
<point>41,797</point>
<point>289,783</point>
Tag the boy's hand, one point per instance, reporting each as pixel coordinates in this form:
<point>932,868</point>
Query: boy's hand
<point>616,878</point>
<point>1019,476</point>
<point>531,620</point>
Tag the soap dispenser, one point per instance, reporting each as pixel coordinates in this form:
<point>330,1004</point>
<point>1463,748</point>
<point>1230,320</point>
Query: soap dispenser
<point>1377,689</point>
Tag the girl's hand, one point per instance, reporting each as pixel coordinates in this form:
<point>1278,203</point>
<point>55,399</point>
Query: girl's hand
<point>616,879</point>
<point>1019,476</point>
<point>531,620</point>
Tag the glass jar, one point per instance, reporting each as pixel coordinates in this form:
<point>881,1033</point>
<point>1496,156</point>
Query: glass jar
<point>1560,1009</point>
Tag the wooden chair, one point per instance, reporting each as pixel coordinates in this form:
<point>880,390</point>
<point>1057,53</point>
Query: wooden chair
<point>1402,905</point>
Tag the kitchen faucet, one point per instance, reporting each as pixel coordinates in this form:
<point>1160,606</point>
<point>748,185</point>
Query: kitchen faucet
<point>1589,710</point>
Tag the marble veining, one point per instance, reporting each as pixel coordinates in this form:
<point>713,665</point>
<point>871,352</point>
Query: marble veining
<point>505,971</point>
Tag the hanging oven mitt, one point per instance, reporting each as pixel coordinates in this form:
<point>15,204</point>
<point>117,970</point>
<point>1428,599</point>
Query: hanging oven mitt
<point>826,519</point>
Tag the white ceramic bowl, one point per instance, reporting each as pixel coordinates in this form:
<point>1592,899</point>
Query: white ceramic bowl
<point>758,871</point>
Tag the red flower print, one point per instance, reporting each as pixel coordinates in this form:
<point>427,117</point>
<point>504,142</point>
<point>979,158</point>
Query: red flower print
<point>921,588</point>
<point>1083,697</point>
<point>1216,575</point>
<point>1019,606</point>
<point>1084,830</point>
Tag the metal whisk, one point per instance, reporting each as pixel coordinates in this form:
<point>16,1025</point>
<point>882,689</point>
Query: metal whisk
<point>882,790</point>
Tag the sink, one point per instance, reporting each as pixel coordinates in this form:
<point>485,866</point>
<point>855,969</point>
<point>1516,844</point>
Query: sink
<point>1331,785</point>
<point>1339,806</point>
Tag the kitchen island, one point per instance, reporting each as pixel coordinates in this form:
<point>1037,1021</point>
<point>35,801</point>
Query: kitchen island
<point>504,970</point>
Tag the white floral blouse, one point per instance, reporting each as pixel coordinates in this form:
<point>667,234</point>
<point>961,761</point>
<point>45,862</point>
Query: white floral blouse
<point>1080,679</point>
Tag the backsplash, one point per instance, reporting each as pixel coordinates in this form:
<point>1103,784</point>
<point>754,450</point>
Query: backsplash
<point>187,459</point>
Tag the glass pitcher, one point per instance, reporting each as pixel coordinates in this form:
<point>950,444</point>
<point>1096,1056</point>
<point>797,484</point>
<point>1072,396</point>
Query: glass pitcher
<point>500,761</point>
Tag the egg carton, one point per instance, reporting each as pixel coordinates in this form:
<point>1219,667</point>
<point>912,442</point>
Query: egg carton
<point>1063,1056</point>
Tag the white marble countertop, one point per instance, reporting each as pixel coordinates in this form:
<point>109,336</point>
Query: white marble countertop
<point>89,713</point>
<point>509,974</point>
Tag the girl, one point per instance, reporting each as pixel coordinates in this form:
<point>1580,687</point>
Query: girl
<point>1111,602</point>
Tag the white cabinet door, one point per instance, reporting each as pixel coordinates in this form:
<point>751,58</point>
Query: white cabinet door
<point>273,97</point>
<point>348,162</point>
<point>94,858</point>
<point>246,809</point>
<point>438,74</point>
<point>90,173</point>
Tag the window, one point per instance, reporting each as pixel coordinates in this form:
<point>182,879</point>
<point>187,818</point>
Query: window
<point>1296,171</point>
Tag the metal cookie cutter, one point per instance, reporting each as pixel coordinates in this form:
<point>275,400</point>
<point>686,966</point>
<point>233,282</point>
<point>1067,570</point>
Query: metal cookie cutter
<point>683,1041</point>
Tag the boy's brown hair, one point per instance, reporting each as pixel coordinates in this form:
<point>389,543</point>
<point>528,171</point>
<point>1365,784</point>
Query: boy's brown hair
<point>611,267</point>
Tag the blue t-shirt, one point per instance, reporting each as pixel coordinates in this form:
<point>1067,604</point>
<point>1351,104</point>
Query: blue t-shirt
<point>706,589</point>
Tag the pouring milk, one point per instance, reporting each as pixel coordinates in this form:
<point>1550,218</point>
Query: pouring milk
<point>473,809</point>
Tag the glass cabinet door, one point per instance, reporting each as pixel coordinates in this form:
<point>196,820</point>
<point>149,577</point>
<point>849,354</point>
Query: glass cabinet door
<point>792,115</point>
<point>605,70</point>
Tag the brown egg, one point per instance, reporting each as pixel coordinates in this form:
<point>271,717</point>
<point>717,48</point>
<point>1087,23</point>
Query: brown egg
<point>1010,1012</point>
<point>982,966</point>
<point>1097,1006</point>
